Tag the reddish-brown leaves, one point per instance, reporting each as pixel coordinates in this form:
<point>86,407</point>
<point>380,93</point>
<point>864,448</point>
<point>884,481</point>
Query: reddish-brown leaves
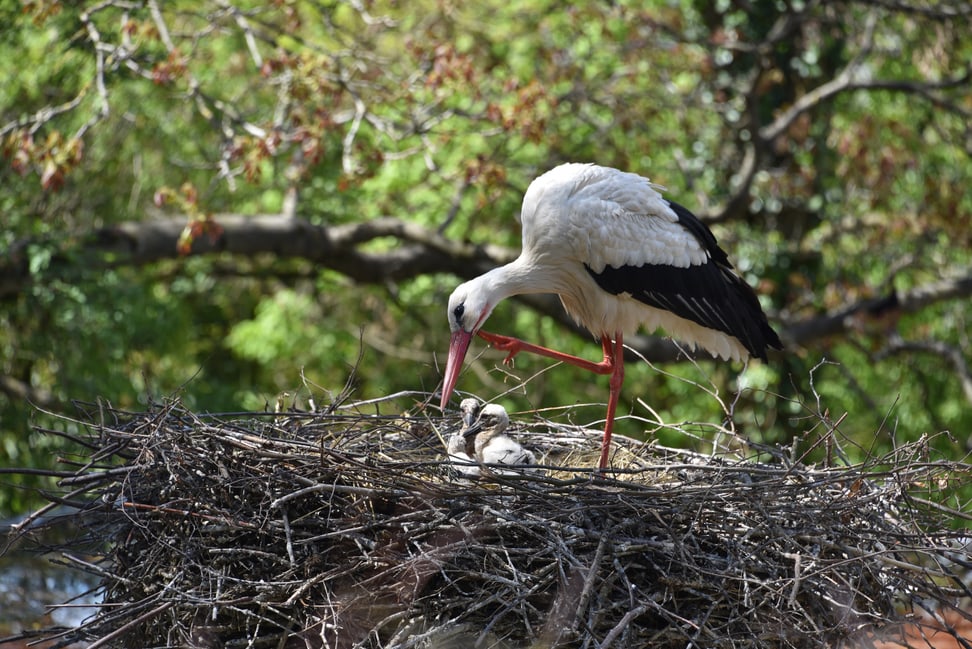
<point>168,71</point>
<point>51,160</point>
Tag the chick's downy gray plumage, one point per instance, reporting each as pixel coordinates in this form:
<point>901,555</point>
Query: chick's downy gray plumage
<point>492,445</point>
<point>461,446</point>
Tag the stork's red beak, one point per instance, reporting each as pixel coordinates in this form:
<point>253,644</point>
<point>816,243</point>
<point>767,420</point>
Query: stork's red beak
<point>457,354</point>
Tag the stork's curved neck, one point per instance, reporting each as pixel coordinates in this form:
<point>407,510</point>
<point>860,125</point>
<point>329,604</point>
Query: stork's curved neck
<point>485,437</point>
<point>519,277</point>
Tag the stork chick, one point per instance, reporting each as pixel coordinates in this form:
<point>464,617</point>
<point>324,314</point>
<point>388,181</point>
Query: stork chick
<point>460,446</point>
<point>492,445</point>
<point>469,410</point>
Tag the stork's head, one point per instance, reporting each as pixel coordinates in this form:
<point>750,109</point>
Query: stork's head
<point>493,418</point>
<point>469,306</point>
<point>469,411</point>
<point>492,421</point>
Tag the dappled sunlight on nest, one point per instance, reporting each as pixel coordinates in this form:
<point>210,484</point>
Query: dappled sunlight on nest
<point>348,528</point>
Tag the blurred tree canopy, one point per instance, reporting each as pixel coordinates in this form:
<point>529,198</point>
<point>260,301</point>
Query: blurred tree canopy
<point>227,200</point>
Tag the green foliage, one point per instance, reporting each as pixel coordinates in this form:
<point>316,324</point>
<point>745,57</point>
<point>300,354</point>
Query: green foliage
<point>440,115</point>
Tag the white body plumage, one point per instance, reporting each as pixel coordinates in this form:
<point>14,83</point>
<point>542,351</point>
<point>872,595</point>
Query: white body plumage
<point>586,215</point>
<point>493,445</point>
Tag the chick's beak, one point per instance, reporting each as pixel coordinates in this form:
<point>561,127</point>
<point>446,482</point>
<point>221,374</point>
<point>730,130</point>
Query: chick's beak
<point>473,429</point>
<point>458,346</point>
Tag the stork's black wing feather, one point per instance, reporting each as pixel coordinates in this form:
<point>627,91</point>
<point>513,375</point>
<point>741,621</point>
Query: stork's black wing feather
<point>701,232</point>
<point>709,294</point>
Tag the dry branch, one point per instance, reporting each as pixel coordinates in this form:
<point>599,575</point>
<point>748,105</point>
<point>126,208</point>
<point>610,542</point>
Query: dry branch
<point>350,530</point>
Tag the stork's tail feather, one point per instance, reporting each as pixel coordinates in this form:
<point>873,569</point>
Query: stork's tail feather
<point>751,326</point>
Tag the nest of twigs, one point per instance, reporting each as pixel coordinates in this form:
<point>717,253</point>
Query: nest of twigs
<point>330,529</point>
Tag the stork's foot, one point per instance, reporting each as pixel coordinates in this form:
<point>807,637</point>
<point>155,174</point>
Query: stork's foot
<point>512,346</point>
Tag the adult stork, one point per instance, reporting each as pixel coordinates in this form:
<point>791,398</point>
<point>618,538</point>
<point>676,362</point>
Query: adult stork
<point>620,256</point>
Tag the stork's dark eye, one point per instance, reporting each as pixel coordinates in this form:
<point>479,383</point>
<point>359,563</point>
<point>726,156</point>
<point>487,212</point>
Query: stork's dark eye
<point>458,311</point>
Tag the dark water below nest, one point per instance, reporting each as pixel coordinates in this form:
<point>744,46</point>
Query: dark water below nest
<point>37,589</point>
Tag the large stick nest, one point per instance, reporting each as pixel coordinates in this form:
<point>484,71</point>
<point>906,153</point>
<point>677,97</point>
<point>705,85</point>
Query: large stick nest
<point>352,530</point>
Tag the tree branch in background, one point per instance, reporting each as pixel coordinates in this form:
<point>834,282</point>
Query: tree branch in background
<point>18,390</point>
<point>421,251</point>
<point>855,315</point>
<point>953,355</point>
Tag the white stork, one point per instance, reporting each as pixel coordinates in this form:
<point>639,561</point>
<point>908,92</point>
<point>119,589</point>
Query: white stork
<point>460,447</point>
<point>492,445</point>
<point>620,256</point>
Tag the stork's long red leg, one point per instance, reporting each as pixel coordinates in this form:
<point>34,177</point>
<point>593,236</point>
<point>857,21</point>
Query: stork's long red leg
<point>617,379</point>
<point>612,364</point>
<point>514,346</point>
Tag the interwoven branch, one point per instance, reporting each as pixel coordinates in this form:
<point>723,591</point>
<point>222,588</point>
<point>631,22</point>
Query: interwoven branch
<point>350,530</point>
